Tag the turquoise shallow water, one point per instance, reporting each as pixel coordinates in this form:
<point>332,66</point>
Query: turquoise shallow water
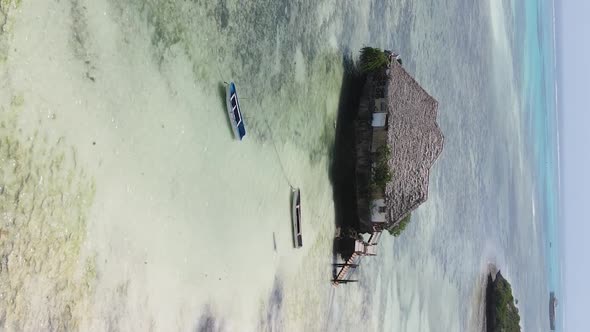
<point>539,90</point>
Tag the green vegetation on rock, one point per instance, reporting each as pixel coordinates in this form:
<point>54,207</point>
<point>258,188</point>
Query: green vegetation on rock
<point>501,312</point>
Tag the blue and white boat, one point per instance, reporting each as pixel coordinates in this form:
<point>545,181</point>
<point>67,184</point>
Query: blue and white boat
<point>233,110</point>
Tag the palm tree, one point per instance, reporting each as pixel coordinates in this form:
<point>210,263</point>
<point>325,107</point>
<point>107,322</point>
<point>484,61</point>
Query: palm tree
<point>372,59</point>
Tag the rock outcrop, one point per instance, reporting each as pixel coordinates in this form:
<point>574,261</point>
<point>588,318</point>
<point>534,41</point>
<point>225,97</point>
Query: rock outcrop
<point>501,312</point>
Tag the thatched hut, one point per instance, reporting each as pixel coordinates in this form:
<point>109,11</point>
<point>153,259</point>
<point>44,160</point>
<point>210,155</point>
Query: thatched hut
<point>396,116</point>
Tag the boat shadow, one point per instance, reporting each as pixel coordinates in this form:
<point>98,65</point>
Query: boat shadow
<point>342,166</point>
<point>222,94</point>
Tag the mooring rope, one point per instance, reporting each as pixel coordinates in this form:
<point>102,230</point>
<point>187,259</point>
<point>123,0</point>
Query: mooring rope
<point>278,155</point>
<point>221,76</point>
<point>271,139</point>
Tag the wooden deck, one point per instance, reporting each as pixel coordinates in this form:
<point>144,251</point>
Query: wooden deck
<point>353,262</point>
<point>348,267</point>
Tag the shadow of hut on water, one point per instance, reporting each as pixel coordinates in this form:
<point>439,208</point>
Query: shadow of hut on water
<point>342,167</point>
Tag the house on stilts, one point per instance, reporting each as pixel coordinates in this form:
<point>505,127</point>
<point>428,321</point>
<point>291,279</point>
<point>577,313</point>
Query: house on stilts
<point>397,142</point>
<point>396,134</point>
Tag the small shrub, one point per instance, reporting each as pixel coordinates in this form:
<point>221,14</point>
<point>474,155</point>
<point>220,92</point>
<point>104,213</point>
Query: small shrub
<point>399,228</point>
<point>372,59</point>
<point>381,173</point>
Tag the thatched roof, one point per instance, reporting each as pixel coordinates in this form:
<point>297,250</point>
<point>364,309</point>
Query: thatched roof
<point>415,139</point>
